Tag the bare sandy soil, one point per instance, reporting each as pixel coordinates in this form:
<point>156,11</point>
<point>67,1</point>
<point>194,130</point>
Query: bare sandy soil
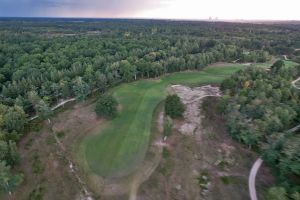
<point>201,161</point>
<point>47,170</point>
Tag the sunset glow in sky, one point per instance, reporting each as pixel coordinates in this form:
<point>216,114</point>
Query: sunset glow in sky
<point>167,9</point>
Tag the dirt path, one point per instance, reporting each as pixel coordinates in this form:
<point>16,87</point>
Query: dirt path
<point>62,103</point>
<point>252,177</point>
<point>294,83</point>
<point>86,195</point>
<point>55,107</point>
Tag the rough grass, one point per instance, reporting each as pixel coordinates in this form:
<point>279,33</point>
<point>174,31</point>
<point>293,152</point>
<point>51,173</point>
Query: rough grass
<point>121,145</point>
<point>289,63</point>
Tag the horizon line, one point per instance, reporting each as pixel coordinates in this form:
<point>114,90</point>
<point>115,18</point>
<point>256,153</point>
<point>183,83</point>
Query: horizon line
<point>148,18</point>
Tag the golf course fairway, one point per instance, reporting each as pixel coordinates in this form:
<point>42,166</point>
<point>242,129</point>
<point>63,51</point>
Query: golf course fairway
<point>121,145</point>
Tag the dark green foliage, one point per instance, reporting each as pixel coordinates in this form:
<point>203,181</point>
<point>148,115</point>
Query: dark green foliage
<point>277,193</point>
<point>61,134</point>
<point>106,106</point>
<point>81,89</point>
<point>37,193</point>
<point>43,110</point>
<point>173,106</point>
<point>15,119</point>
<point>260,108</point>
<point>8,152</point>
<point>8,181</point>
<point>277,66</point>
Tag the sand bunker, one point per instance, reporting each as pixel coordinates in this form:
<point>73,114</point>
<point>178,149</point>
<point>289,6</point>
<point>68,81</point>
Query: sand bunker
<point>191,98</point>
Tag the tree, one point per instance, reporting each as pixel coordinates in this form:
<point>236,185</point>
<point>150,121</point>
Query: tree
<point>296,196</point>
<point>101,81</point>
<point>173,106</point>
<point>34,99</point>
<point>43,110</point>
<point>128,71</point>
<point>260,109</point>
<point>277,193</point>
<point>81,89</point>
<point>65,88</point>
<point>106,106</point>
<point>8,181</point>
<point>277,66</point>
<point>15,119</point>
<point>8,152</point>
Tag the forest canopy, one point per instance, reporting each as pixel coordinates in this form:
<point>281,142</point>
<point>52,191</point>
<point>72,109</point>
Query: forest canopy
<point>262,110</point>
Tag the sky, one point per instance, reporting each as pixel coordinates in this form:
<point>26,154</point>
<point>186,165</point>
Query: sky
<point>160,9</point>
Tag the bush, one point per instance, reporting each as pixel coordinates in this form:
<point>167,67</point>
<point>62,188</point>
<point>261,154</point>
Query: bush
<point>106,106</point>
<point>173,106</point>
<point>277,66</point>
<point>276,193</point>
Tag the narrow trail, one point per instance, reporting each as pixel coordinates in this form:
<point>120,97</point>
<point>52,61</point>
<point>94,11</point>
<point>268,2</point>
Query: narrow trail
<point>252,177</point>
<point>85,195</point>
<point>60,104</point>
<point>294,83</point>
<point>55,107</point>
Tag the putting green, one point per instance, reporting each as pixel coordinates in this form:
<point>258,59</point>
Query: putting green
<point>121,145</point>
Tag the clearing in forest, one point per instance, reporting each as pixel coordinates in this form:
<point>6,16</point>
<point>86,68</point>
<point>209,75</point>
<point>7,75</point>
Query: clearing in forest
<point>121,145</point>
<point>118,149</point>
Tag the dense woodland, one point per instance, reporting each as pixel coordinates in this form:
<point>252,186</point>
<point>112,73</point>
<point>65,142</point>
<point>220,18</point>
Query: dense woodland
<point>262,108</point>
<point>44,61</point>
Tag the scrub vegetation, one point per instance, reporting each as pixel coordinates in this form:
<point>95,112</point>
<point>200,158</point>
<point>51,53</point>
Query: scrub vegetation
<point>106,106</point>
<point>173,106</point>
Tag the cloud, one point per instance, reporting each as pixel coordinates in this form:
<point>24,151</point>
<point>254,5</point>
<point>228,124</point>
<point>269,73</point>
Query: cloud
<point>76,7</point>
<point>179,9</point>
<point>113,8</point>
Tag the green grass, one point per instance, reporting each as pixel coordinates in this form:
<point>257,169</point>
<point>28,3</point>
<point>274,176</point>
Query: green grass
<point>122,144</point>
<point>289,63</point>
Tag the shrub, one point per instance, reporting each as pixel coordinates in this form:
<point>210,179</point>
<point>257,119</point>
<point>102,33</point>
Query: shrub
<point>106,106</point>
<point>173,106</point>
